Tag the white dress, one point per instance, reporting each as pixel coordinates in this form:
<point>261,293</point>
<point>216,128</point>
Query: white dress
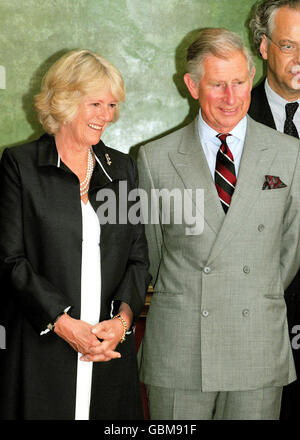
<point>90,301</point>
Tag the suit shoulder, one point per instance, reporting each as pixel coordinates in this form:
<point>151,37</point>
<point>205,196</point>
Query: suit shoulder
<point>116,162</point>
<point>168,143</point>
<point>258,90</point>
<point>274,138</point>
<point>259,103</point>
<point>22,156</point>
<point>22,151</point>
<point>113,155</point>
<point>113,152</point>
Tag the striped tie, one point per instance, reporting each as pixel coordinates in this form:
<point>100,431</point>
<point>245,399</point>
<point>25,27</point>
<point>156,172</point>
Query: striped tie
<point>225,178</point>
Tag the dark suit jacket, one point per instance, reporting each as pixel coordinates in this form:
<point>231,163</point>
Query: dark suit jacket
<point>40,268</point>
<point>259,108</point>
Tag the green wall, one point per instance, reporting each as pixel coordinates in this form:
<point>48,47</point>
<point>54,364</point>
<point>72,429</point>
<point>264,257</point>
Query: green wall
<point>145,39</point>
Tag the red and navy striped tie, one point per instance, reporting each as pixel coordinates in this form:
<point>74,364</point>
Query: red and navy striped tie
<point>225,178</point>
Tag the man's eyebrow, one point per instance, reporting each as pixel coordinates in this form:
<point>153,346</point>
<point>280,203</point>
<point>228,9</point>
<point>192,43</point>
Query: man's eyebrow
<point>287,40</point>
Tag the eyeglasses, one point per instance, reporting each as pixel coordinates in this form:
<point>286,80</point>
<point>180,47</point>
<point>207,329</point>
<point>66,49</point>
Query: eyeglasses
<point>288,48</point>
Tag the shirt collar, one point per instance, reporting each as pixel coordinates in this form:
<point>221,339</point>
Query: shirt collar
<point>47,152</point>
<point>206,133</point>
<point>48,156</point>
<point>277,101</point>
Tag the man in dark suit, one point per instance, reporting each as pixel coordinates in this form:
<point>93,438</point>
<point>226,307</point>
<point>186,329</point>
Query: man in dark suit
<point>275,102</point>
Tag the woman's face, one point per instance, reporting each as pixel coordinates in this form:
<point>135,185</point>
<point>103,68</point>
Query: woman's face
<point>93,115</point>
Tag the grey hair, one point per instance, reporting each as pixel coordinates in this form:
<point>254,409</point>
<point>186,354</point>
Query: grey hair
<point>214,41</point>
<point>262,22</point>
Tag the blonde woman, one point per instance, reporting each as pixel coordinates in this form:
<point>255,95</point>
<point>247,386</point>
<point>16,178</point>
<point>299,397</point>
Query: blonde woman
<point>72,287</point>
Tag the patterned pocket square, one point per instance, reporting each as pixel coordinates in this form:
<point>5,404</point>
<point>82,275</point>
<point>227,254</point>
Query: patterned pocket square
<point>273,182</point>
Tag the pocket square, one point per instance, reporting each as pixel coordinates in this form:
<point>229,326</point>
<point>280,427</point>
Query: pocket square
<point>273,182</point>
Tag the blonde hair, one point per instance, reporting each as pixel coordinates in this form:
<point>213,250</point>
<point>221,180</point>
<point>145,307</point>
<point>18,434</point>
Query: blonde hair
<point>75,75</point>
<point>214,41</point>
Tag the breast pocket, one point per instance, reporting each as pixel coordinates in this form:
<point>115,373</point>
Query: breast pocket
<point>273,198</point>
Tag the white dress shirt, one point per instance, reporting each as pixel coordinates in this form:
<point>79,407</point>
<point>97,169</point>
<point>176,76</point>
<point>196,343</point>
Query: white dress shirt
<point>277,105</point>
<point>211,144</point>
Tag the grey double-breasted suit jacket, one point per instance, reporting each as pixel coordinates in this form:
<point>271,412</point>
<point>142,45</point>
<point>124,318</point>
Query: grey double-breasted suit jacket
<point>217,320</point>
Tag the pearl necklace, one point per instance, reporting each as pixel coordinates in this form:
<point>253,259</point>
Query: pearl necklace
<point>85,184</point>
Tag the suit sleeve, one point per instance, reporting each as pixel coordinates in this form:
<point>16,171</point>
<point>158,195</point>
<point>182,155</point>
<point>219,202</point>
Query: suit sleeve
<point>133,287</point>
<point>290,246</point>
<point>152,226</point>
<point>38,299</point>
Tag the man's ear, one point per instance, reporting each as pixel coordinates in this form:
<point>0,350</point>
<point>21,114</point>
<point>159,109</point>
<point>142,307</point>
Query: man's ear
<point>252,75</point>
<point>192,86</point>
<point>263,48</point>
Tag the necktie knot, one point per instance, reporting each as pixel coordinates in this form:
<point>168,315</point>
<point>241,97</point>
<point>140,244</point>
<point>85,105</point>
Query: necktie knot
<point>224,147</point>
<point>223,137</point>
<point>290,109</point>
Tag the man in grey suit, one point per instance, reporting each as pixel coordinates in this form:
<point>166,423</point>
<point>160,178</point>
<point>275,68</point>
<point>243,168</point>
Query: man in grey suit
<point>216,343</point>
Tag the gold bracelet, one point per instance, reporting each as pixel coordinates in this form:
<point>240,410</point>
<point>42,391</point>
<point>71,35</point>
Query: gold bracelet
<point>125,327</point>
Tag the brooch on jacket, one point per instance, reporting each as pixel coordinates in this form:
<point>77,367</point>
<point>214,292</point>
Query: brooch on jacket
<point>273,182</point>
<point>108,160</point>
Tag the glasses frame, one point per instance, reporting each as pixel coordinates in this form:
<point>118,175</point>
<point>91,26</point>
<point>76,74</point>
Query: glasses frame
<point>293,52</point>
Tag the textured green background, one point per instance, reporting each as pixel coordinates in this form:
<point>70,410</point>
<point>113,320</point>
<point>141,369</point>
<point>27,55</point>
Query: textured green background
<point>145,39</point>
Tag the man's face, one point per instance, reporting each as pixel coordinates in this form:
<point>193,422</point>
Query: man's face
<point>223,91</point>
<point>283,68</point>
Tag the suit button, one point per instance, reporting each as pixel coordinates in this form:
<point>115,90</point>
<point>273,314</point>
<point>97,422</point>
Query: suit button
<point>207,270</point>
<point>246,269</point>
<point>205,313</point>
<point>246,312</point>
<point>261,228</point>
